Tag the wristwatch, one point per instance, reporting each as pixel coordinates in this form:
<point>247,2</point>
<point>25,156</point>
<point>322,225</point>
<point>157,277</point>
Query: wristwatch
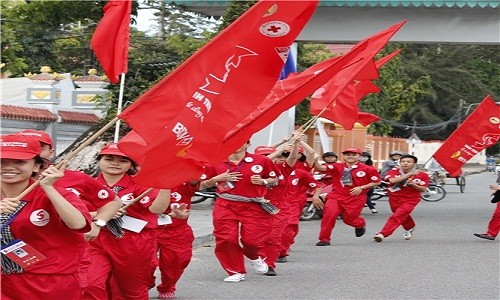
<point>99,222</point>
<point>264,182</point>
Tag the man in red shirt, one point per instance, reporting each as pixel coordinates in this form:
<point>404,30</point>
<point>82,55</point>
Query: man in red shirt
<point>351,181</point>
<point>406,183</point>
<point>242,182</point>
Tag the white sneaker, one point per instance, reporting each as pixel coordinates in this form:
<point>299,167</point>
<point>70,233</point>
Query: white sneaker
<point>259,265</point>
<point>236,277</point>
<point>378,237</point>
<point>409,234</point>
<point>374,211</point>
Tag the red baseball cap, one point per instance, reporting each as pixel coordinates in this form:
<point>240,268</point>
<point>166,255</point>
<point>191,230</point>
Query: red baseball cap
<point>16,146</point>
<point>264,150</point>
<point>111,149</point>
<point>352,150</point>
<point>41,136</point>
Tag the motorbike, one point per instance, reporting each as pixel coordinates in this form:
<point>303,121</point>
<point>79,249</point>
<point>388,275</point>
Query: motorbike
<point>309,211</point>
<point>205,194</point>
<point>433,193</point>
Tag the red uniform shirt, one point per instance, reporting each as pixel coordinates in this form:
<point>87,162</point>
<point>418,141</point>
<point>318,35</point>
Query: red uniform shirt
<point>275,194</point>
<point>128,190</point>
<point>39,225</point>
<point>361,174</point>
<point>93,193</point>
<point>179,195</point>
<point>298,183</point>
<point>251,164</point>
<point>402,191</point>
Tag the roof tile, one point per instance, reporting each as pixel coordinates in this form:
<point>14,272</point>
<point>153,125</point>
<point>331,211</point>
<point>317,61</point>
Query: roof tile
<point>25,113</point>
<point>73,117</point>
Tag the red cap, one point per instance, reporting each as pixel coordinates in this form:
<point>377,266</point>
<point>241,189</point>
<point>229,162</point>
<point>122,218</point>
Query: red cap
<point>264,150</point>
<point>352,150</point>
<point>16,146</point>
<point>41,136</point>
<point>111,149</point>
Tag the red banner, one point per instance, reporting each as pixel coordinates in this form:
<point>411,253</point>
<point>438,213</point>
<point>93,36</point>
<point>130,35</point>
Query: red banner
<point>110,40</point>
<point>185,117</point>
<point>479,131</point>
<point>344,110</point>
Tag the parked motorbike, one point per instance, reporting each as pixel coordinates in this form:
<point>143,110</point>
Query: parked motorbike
<point>205,194</point>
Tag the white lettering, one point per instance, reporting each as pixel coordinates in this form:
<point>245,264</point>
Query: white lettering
<point>182,134</point>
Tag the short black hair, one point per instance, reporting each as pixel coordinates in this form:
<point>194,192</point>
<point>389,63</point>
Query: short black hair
<point>415,159</point>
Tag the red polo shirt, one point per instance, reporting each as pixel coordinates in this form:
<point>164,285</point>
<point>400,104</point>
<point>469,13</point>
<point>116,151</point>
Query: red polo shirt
<point>39,225</point>
<point>127,190</point>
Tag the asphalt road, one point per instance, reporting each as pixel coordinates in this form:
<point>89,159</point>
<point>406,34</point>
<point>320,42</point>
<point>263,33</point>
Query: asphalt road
<point>443,260</point>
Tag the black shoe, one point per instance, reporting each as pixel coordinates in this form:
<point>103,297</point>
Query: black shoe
<point>484,236</point>
<point>282,259</point>
<point>360,231</point>
<point>320,243</point>
<point>271,272</point>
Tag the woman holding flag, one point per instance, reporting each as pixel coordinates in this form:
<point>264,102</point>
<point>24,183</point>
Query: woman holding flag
<point>121,267</point>
<point>42,231</point>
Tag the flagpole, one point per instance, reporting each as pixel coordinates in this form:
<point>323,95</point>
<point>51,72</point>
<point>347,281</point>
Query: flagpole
<point>271,129</point>
<point>71,155</point>
<point>119,109</point>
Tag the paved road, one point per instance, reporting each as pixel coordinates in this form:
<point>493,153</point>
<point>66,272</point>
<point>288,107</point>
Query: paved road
<point>443,261</point>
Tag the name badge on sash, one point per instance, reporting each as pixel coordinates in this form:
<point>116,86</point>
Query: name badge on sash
<point>22,254</point>
<point>164,219</point>
<point>224,186</point>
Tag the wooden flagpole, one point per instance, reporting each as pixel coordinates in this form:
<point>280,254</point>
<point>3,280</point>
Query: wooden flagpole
<point>71,155</point>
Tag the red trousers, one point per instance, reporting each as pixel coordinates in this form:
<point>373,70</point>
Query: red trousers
<point>292,228</point>
<point>175,248</point>
<point>232,219</point>
<point>401,209</point>
<point>40,286</point>
<point>124,264</point>
<point>350,207</point>
<point>272,248</point>
<point>494,224</point>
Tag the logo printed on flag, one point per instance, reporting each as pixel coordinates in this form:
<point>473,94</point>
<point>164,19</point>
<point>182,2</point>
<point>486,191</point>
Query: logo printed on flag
<point>274,29</point>
<point>232,63</point>
<point>271,10</point>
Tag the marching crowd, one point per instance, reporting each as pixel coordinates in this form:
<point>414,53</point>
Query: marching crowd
<point>66,235</point>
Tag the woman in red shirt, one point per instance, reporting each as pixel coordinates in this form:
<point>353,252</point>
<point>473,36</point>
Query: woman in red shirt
<point>40,232</point>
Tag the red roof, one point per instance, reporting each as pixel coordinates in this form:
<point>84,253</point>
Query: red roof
<point>73,117</point>
<point>45,115</point>
<point>25,113</point>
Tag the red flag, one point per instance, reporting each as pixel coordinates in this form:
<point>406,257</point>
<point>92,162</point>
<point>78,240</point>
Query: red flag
<point>296,87</point>
<point>111,38</point>
<point>186,115</point>
<point>339,98</point>
<point>479,131</point>
<point>285,94</point>
<point>382,61</point>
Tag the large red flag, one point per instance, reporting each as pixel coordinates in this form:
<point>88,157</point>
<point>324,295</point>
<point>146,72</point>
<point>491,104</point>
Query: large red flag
<point>285,94</point>
<point>110,41</point>
<point>344,108</point>
<point>185,117</point>
<point>479,131</point>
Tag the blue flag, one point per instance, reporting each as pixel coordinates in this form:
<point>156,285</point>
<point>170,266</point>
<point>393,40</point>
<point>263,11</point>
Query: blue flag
<point>289,67</point>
